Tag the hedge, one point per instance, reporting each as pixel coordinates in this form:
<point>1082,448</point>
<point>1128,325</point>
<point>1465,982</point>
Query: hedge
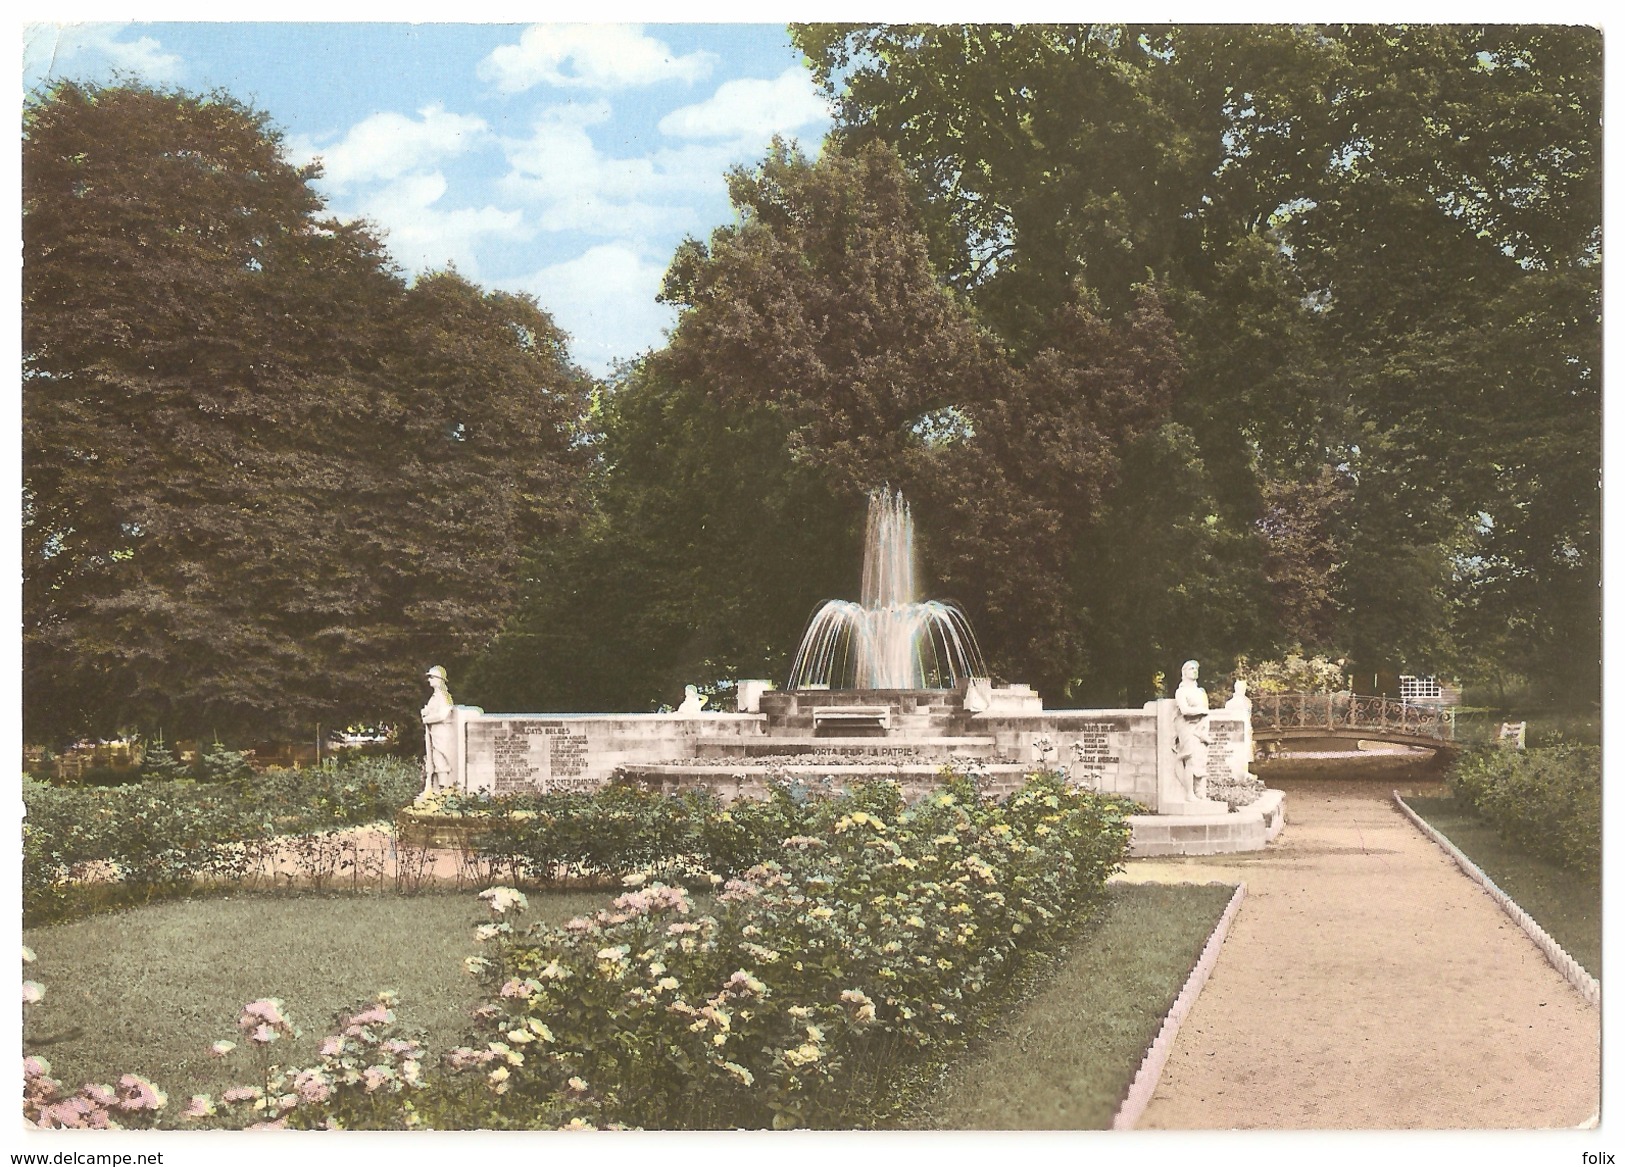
<point>1547,802</point>
<point>168,833</point>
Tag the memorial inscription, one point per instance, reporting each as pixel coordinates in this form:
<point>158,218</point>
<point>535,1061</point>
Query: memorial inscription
<point>519,757</point>
<point>1227,748</point>
<point>1094,751</point>
<point>1095,755</point>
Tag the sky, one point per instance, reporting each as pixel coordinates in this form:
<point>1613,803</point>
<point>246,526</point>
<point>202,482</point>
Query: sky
<point>563,161</point>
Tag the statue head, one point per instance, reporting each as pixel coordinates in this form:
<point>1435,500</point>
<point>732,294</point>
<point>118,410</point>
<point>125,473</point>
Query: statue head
<point>1241,687</point>
<point>1188,670</point>
<point>437,673</point>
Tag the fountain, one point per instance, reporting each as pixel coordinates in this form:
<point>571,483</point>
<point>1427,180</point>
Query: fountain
<point>891,639</point>
<point>892,687</point>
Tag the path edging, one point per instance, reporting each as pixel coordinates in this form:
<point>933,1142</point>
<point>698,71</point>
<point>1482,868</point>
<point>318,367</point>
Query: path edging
<point>1156,1057</point>
<point>1583,982</point>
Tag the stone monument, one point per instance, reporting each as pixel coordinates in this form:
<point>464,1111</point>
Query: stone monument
<point>892,688</point>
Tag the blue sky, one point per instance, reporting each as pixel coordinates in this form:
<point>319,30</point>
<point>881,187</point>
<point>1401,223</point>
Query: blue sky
<point>566,161</point>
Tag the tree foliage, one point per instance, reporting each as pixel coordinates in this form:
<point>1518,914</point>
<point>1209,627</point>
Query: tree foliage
<point>706,549</point>
<point>817,357</point>
<point>1380,246</point>
<point>264,482</point>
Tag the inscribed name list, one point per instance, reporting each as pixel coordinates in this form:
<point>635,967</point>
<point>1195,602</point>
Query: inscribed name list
<point>1227,747</point>
<point>526,756</point>
<point>1095,754</point>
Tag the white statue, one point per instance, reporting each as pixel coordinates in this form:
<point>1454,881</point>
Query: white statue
<point>438,732</point>
<point>1190,731</point>
<point>1242,705</point>
<point>693,701</point>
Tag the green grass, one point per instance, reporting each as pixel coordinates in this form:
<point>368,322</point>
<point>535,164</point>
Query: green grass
<point>147,991</point>
<point>1063,1058</point>
<point>1565,903</point>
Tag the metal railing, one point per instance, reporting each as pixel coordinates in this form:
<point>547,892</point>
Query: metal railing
<point>1348,711</point>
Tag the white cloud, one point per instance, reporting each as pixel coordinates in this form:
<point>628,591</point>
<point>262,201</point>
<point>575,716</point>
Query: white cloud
<point>589,56</point>
<point>50,49</point>
<point>423,237</point>
<point>389,145</point>
<point>751,108</point>
<point>573,186</point>
<point>605,299</point>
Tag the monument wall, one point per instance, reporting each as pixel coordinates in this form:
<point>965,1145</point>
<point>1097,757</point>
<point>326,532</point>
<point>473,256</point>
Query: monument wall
<point>1114,751</point>
<point>1110,750</point>
<point>538,753</point>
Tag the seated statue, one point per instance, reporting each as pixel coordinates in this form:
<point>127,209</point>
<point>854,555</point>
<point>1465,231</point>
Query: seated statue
<point>692,700</point>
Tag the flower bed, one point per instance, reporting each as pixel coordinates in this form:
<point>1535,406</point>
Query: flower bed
<point>822,980</point>
<point>819,979</point>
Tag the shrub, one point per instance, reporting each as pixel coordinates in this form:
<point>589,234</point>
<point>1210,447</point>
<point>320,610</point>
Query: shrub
<point>1547,801</point>
<point>1293,673</point>
<point>621,829</point>
<point>868,945</point>
<point>165,834</point>
<point>348,793</point>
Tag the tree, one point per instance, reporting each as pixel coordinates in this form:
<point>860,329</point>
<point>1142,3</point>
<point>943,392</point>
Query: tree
<point>265,484</point>
<point>706,550</point>
<point>817,357</point>
<point>1301,526</point>
<point>1165,577</point>
<point>822,304</point>
<point>1374,241</point>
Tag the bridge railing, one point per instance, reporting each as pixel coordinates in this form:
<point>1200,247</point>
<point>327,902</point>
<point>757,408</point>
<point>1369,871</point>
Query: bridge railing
<point>1344,711</point>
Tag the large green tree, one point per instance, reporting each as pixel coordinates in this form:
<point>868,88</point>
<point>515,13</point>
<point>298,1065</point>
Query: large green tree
<point>818,356</point>
<point>1380,246</point>
<point>707,547</point>
<point>264,482</point>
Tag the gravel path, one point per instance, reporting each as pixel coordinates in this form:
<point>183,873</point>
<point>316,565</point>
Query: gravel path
<point>1368,984</point>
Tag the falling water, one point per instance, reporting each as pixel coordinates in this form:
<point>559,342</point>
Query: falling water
<point>889,640</point>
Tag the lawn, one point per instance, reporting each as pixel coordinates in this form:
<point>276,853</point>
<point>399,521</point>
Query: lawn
<point>1565,903</point>
<point>1063,1058</point>
<point>148,990</point>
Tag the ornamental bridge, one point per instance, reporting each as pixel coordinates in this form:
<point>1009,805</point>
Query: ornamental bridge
<point>1281,717</point>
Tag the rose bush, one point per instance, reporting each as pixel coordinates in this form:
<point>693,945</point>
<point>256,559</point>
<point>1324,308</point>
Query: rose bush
<point>154,835</point>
